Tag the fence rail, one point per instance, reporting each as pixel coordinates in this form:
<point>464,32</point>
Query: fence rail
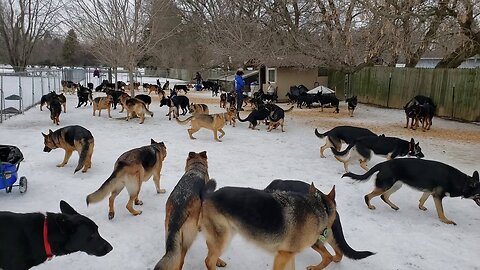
<point>456,92</point>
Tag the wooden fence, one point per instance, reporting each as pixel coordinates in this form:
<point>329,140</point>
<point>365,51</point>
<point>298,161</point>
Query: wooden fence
<point>456,92</point>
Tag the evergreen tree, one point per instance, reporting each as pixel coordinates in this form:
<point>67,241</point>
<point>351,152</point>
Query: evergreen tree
<point>70,48</point>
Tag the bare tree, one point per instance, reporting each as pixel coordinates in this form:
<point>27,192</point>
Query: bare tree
<point>121,32</point>
<point>22,24</point>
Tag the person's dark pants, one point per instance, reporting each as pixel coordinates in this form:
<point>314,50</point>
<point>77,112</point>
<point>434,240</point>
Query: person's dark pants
<point>239,100</point>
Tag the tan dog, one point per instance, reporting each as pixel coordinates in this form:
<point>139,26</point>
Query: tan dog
<point>131,169</point>
<point>214,122</point>
<point>183,211</point>
<point>198,109</point>
<point>100,103</point>
<point>231,121</point>
<point>79,139</point>
<point>135,107</point>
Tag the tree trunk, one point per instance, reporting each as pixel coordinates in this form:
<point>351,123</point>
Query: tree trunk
<point>130,80</point>
<point>455,58</point>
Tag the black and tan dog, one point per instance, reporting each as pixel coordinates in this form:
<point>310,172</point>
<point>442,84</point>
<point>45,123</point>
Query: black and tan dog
<point>351,104</point>
<point>33,238</point>
<point>135,107</point>
<point>261,113</point>
<point>284,223</point>
<point>337,242</point>
<point>214,122</point>
<point>131,169</point>
<point>84,95</point>
<point>46,99</point>
<point>145,98</point>
<point>55,111</point>
<point>71,138</point>
<point>431,177</point>
<point>341,134</point>
<point>276,117</point>
<point>223,100</point>
<point>101,103</point>
<point>390,147</point>
<point>183,211</point>
<point>198,108</point>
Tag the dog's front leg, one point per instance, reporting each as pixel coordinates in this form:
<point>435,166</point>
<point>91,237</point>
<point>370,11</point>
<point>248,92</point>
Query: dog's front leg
<point>441,214</point>
<point>68,154</point>
<point>327,258</point>
<point>284,259</point>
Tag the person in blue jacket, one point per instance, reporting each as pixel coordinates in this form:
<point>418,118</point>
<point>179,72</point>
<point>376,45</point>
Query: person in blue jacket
<point>239,84</point>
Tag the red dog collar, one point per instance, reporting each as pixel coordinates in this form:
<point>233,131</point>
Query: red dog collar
<point>48,248</point>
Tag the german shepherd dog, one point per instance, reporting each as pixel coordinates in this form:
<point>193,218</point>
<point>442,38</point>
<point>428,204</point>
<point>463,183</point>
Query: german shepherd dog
<point>341,134</point>
<point>214,122</point>
<point>100,103</point>
<point>55,111</point>
<point>223,100</point>
<point>411,114</point>
<point>276,117</point>
<point>337,242</point>
<point>425,115</point>
<point>198,109</point>
<point>351,104</point>
<point>431,177</point>
<point>69,86</point>
<point>136,107</point>
<point>328,99</point>
<point>412,109</point>
<point>390,147</point>
<point>281,222</point>
<point>255,116</point>
<point>131,169</point>
<point>71,138</point>
<point>145,98</point>
<point>177,102</point>
<point>183,211</point>
<point>46,99</point>
<point>116,97</point>
<point>33,238</point>
<point>84,95</point>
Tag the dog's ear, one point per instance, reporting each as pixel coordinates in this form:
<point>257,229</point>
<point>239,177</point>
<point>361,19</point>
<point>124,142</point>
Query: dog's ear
<point>44,135</point>
<point>152,141</point>
<point>203,154</point>
<point>331,194</point>
<point>312,189</point>
<point>475,176</point>
<point>50,131</point>
<point>191,154</point>
<point>412,141</point>
<point>67,209</point>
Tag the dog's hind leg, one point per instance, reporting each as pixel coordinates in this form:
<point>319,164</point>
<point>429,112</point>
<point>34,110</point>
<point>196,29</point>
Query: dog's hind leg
<point>363,164</point>
<point>422,200</point>
<point>282,259</point>
<point>111,202</point>
<point>441,215</point>
<point>376,192</point>
<point>385,196</point>
<point>68,154</point>
<point>221,135</point>
<point>327,258</point>
<point>133,188</point>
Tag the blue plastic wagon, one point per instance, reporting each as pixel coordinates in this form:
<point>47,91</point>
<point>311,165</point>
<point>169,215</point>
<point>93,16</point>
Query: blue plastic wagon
<point>10,158</point>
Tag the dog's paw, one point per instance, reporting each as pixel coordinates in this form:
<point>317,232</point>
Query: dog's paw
<point>138,202</point>
<point>111,215</point>
<point>221,263</point>
<point>60,165</point>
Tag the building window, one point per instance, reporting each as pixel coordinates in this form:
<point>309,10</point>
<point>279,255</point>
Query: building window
<point>272,75</point>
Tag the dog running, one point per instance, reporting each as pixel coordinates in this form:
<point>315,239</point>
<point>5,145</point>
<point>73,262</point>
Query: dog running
<point>431,177</point>
<point>341,134</point>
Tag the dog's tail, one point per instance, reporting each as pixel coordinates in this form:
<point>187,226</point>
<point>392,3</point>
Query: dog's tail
<point>183,122</point>
<point>320,135</point>
<point>208,189</point>
<point>173,243</point>
<point>106,187</point>
<point>146,109</point>
<point>342,154</point>
<point>342,243</point>
<point>291,108</point>
<point>240,119</point>
<point>86,145</point>
<point>365,176</point>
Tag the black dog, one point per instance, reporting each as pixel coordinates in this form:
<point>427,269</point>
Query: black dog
<point>425,115</point>
<point>55,110</point>
<point>176,102</point>
<point>412,110</point>
<point>391,147</point>
<point>432,177</point>
<point>90,86</point>
<point>84,95</point>
<point>339,244</point>
<point>115,95</point>
<point>46,99</point>
<point>337,135</point>
<point>182,87</point>
<point>328,99</point>
<point>255,116</point>
<point>33,238</point>
<point>352,104</point>
<point>145,98</point>
<point>306,99</point>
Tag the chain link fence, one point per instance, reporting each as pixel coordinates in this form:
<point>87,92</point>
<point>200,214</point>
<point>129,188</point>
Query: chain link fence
<point>19,91</point>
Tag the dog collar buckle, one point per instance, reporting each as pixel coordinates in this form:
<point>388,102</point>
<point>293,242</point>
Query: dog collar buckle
<point>324,235</point>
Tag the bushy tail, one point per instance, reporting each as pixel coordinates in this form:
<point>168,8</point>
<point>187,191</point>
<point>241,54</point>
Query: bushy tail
<point>146,109</point>
<point>342,243</point>
<point>365,176</point>
<point>83,155</point>
<point>183,122</point>
<point>209,188</point>
<point>106,187</point>
<point>319,135</point>
<point>291,108</point>
<point>342,153</point>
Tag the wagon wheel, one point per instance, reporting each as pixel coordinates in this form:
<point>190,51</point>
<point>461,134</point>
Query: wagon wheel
<point>22,184</point>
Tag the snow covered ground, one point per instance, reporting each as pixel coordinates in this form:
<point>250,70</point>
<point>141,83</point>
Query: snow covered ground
<point>404,239</point>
